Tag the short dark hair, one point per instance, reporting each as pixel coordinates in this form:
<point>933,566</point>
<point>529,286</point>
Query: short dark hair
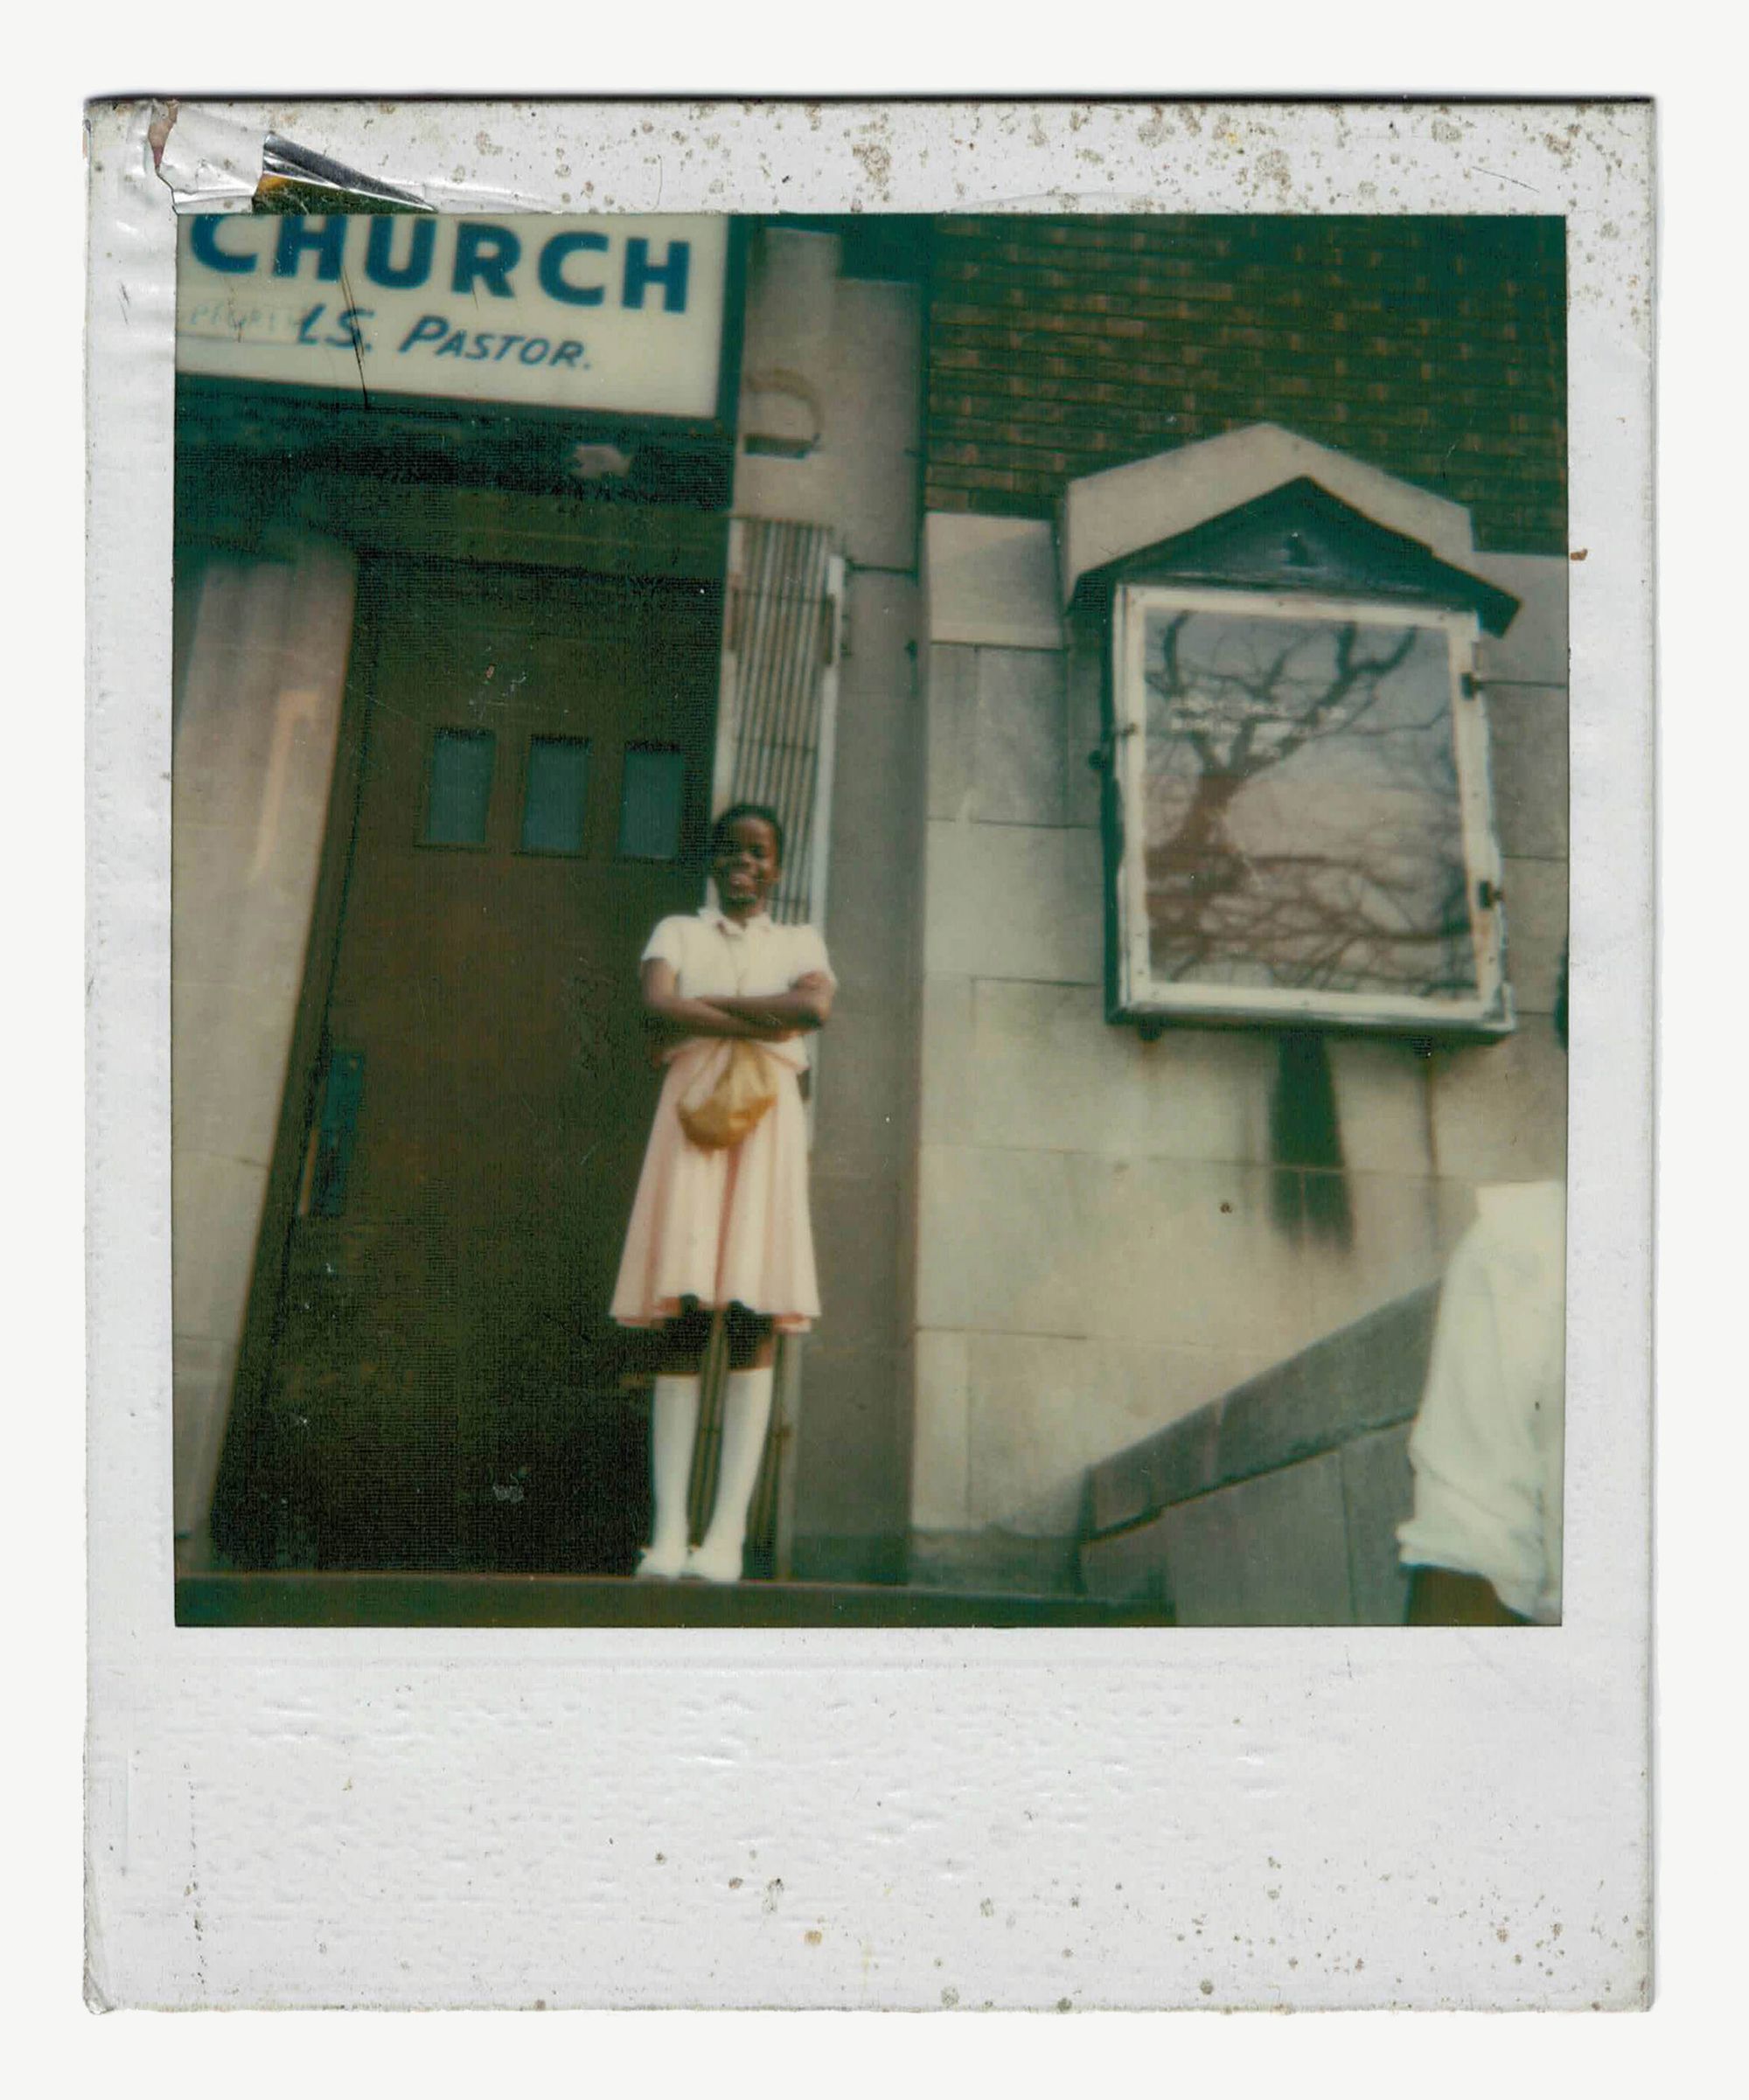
<point>736,811</point>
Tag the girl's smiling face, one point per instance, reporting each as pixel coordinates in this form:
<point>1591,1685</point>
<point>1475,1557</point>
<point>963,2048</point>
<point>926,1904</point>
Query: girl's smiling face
<point>744,863</point>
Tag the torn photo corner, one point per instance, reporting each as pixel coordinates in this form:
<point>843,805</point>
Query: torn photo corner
<point>841,1179</point>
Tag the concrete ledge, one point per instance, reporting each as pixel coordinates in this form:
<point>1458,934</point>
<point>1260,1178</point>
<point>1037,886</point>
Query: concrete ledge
<point>1364,1378</point>
<point>1277,1506</point>
<point>1272,1551</point>
<point>348,1600</point>
<point>1378,1493</point>
<point>994,1562</point>
<point>1130,1567</point>
<point>828,1559</point>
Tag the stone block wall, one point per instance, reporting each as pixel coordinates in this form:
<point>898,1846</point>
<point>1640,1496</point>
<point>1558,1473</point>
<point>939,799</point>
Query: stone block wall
<point>1098,1248</point>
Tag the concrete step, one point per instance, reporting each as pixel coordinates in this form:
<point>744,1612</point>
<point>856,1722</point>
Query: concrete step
<point>1277,1504</point>
<point>321,1597</point>
<point>1363,1377</point>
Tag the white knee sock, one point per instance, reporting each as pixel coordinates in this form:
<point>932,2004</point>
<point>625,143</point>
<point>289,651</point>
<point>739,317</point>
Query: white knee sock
<point>746,1414</point>
<point>673,1428</point>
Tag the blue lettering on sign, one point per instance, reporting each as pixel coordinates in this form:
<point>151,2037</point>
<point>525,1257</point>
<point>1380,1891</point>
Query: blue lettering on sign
<point>347,333</point>
<point>485,254</point>
<point>294,237</point>
<point>478,346</point>
<point>554,282</point>
<point>491,253</point>
<point>425,330</point>
<point>204,238</point>
<point>380,267</point>
<point>671,275</point>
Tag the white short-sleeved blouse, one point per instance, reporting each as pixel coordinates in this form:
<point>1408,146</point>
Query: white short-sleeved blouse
<point>1489,1446</point>
<point>715,956</point>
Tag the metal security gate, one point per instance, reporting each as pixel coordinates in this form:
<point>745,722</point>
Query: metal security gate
<point>776,724</point>
<point>778,710</point>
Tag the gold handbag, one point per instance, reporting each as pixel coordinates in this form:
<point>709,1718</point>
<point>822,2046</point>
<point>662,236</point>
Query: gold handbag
<point>743,1090</point>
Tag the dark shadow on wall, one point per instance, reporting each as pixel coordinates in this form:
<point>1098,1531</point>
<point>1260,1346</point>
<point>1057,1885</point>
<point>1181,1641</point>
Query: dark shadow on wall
<point>1310,1189</point>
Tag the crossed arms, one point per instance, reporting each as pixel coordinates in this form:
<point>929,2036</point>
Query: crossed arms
<point>769,1018</point>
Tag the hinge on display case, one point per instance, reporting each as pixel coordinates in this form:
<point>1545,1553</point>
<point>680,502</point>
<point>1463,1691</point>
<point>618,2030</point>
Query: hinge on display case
<point>1104,756</point>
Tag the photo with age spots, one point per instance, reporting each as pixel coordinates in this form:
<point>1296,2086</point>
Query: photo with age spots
<point>867,918</point>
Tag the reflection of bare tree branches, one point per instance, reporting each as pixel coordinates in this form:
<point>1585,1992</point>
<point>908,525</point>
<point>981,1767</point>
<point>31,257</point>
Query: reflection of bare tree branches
<point>1323,923</point>
<point>1372,894</point>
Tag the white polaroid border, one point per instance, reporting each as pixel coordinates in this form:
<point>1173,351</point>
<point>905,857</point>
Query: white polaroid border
<point>1084,1818</point>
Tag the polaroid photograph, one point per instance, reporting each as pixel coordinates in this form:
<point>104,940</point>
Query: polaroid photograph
<point>870,1099</point>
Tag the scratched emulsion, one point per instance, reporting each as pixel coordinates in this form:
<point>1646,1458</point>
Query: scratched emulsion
<point>944,1820</point>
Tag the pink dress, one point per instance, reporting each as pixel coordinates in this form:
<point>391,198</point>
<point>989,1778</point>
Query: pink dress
<point>729,1226</point>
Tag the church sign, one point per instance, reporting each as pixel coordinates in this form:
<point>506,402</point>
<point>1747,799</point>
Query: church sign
<point>615,315</point>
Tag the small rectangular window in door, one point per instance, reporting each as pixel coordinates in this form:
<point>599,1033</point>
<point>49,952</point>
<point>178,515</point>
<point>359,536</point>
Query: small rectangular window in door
<point>458,787</point>
<point>652,795</point>
<point>554,795</point>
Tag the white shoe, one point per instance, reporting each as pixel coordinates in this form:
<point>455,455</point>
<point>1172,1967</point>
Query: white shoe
<point>664,1562</point>
<point>709,1563</point>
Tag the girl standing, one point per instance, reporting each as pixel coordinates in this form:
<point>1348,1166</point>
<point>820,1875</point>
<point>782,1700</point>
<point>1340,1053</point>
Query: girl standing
<point>721,1220</point>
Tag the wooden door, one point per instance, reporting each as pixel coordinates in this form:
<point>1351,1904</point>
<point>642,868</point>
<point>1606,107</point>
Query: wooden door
<point>446,1388</point>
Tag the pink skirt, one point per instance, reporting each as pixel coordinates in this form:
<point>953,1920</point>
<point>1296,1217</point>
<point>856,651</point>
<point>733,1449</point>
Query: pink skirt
<point>721,1227</point>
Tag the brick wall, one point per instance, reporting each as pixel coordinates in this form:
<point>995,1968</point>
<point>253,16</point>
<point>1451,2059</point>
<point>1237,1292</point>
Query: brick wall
<point>1434,348</point>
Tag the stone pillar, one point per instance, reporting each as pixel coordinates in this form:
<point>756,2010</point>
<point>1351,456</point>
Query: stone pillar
<point>830,432</point>
<point>261,670</point>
